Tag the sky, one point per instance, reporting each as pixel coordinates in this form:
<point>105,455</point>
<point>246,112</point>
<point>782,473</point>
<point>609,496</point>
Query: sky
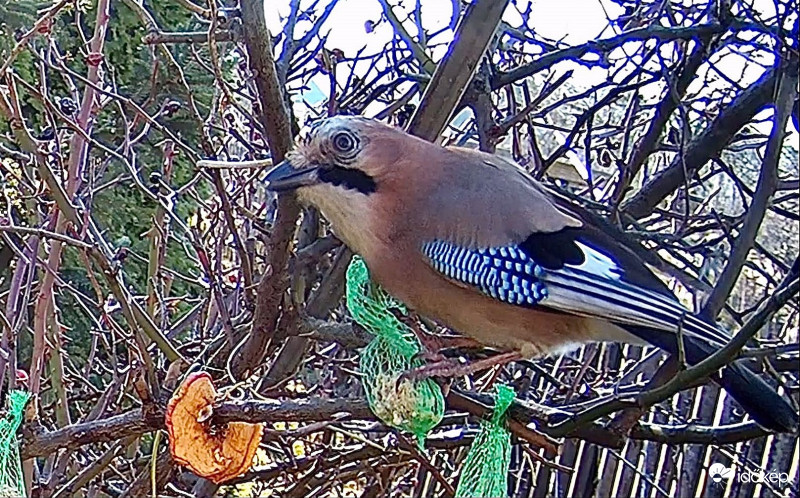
<point>346,30</point>
<point>574,21</point>
<point>585,21</point>
<point>570,21</point>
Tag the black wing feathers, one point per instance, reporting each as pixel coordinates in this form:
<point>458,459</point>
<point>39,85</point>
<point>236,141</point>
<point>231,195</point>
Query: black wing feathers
<point>554,250</point>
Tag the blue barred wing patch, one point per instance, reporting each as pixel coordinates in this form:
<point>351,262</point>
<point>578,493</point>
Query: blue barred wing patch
<point>596,287</point>
<point>504,273</point>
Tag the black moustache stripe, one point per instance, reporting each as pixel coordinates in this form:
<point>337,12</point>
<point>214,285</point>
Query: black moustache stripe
<point>349,178</point>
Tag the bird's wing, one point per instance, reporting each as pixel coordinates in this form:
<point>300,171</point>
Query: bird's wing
<point>580,280</point>
<point>499,231</point>
<point>531,248</point>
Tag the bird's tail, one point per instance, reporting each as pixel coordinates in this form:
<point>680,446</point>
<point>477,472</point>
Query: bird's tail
<point>768,408</point>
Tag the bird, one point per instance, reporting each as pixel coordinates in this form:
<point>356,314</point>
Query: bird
<point>472,241</point>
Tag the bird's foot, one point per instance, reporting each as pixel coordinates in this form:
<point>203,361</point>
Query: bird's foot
<point>442,342</point>
<point>434,343</point>
<point>449,368</point>
<point>431,357</point>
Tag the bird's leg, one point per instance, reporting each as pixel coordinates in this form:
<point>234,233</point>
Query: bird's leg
<point>430,351</point>
<point>433,344</point>
<point>451,368</point>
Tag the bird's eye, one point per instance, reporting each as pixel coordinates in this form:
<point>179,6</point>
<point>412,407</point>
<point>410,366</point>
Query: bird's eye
<point>344,142</point>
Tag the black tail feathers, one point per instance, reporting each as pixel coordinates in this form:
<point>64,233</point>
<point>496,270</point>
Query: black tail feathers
<point>768,408</point>
<point>761,401</point>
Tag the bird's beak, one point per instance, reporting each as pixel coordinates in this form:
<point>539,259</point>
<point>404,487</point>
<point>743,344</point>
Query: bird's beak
<point>284,177</point>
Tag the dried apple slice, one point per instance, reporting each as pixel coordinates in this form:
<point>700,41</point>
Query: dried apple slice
<point>218,453</point>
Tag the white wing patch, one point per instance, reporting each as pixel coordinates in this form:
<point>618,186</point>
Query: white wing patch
<point>597,287</point>
<point>597,263</point>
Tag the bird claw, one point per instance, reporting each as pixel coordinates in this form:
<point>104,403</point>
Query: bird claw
<point>427,356</point>
<point>442,367</point>
<point>434,343</point>
<point>450,368</point>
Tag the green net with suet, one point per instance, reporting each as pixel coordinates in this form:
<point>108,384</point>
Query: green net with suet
<point>415,406</point>
<point>484,472</point>
<point>11,482</point>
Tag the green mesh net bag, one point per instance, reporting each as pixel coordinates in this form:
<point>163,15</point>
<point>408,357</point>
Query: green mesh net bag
<point>412,406</point>
<point>484,472</point>
<point>11,483</point>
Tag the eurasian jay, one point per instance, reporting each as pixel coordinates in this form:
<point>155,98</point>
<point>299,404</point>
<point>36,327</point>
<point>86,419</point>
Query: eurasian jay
<point>474,242</point>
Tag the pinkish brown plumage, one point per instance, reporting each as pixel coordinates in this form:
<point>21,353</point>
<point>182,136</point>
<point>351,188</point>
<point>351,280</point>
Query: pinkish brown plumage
<point>472,241</point>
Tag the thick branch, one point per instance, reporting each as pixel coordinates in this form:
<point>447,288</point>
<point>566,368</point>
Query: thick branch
<point>663,111</point>
<point>275,119</point>
<point>131,423</point>
<point>765,189</point>
<point>304,410</point>
<point>730,434</point>
<point>455,71</point>
<point>313,409</point>
<point>273,116</point>
<point>135,422</point>
<point>654,31</point>
<point>706,145</point>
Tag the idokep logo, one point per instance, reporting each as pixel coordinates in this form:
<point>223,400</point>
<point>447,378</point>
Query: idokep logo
<point>719,472</point>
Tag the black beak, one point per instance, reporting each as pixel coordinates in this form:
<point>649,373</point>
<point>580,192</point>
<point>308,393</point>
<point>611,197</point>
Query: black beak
<point>284,177</point>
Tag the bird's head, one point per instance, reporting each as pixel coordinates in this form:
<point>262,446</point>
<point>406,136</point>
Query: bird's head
<point>351,168</point>
<point>341,153</point>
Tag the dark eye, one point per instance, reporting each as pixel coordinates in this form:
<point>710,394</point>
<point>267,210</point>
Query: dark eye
<point>344,142</point>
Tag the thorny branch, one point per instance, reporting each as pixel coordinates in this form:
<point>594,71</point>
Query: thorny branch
<point>131,253</point>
